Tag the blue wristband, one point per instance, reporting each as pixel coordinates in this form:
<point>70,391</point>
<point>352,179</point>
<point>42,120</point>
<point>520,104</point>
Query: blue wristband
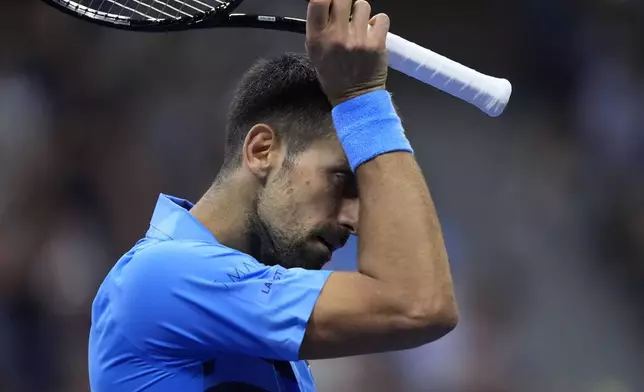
<point>368,126</point>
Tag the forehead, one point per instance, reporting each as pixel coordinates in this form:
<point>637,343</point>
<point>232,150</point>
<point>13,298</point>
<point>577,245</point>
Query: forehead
<point>324,154</point>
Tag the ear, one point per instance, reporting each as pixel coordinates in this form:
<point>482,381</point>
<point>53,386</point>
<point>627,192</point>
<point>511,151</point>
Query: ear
<point>263,151</point>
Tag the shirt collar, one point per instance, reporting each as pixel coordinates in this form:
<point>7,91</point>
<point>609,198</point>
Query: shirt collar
<point>172,220</point>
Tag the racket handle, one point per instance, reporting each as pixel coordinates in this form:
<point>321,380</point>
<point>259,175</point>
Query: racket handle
<point>488,93</point>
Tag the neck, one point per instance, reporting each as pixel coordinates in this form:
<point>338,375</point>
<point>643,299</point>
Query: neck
<point>224,210</point>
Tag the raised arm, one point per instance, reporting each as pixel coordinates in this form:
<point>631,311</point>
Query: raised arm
<point>402,296</point>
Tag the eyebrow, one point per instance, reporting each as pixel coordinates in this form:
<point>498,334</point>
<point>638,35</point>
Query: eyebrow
<point>341,166</point>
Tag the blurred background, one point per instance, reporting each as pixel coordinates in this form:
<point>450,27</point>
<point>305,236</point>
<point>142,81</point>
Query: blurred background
<point>543,207</point>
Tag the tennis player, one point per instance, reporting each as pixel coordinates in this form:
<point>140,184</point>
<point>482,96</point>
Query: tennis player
<point>228,294</point>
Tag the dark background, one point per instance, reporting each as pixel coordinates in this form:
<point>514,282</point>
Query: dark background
<point>543,207</point>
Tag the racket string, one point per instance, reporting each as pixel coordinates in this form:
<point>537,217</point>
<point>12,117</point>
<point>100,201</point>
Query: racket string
<point>136,7</point>
<point>196,10</point>
<point>150,10</point>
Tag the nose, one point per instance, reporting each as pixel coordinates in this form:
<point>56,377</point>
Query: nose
<point>349,214</point>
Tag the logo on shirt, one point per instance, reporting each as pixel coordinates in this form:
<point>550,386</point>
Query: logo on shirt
<point>268,285</point>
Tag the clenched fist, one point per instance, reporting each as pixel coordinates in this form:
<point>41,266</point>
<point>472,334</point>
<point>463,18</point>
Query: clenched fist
<point>347,47</point>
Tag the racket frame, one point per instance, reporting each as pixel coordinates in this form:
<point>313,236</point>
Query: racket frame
<point>221,16</point>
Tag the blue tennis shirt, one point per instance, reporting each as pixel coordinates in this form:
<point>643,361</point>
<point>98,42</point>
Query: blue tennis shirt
<point>182,312</point>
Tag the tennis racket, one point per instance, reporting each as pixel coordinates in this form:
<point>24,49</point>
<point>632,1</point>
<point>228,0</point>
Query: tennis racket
<point>488,93</point>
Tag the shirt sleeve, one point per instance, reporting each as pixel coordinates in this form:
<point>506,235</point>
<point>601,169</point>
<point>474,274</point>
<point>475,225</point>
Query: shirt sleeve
<point>190,301</point>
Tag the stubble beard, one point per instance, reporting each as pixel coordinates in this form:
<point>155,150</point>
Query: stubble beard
<point>270,245</point>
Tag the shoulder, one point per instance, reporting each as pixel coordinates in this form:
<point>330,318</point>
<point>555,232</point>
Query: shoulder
<point>160,277</point>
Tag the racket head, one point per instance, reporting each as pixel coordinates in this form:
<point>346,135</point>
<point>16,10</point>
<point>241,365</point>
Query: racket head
<point>149,15</point>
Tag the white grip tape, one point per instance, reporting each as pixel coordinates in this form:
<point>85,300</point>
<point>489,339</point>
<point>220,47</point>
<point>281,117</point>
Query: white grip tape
<point>488,93</point>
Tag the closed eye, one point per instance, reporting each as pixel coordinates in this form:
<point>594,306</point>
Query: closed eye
<point>340,177</point>
<point>347,181</point>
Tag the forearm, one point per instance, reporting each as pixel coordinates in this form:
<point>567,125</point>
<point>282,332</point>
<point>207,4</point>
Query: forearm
<point>401,242</point>
<point>402,295</point>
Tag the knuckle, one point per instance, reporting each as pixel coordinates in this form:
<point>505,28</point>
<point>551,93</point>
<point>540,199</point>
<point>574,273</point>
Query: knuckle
<point>376,46</point>
<point>351,46</point>
<point>340,44</point>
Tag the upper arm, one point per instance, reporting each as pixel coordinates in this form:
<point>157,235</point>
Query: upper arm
<point>187,302</point>
<point>356,314</point>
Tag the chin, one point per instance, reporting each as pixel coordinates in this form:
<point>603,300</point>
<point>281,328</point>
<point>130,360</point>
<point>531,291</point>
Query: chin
<point>309,263</point>
<point>314,267</point>
<point>310,259</point>
<point>316,264</point>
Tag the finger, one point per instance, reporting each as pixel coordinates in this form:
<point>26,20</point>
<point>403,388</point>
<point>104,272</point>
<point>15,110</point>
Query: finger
<point>361,15</point>
<point>379,29</point>
<point>341,12</point>
<point>317,16</point>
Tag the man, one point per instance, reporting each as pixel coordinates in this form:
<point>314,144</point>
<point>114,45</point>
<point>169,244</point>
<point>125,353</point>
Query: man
<point>228,294</point>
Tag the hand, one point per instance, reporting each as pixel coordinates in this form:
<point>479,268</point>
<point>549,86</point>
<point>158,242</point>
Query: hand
<point>348,51</point>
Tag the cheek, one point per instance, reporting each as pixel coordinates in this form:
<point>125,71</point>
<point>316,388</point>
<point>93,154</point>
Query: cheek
<point>301,209</point>
<point>319,199</point>
<point>288,209</point>
<point>305,201</point>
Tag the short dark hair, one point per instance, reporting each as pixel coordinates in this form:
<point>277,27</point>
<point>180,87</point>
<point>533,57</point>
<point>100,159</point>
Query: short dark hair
<point>285,93</point>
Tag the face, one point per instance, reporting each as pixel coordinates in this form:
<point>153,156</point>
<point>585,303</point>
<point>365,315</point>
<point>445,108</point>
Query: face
<point>307,208</point>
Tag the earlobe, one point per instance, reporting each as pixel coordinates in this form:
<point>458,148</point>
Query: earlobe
<point>261,149</point>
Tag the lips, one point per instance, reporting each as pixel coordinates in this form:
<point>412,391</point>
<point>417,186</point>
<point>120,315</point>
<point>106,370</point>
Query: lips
<point>334,242</point>
<point>327,244</point>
